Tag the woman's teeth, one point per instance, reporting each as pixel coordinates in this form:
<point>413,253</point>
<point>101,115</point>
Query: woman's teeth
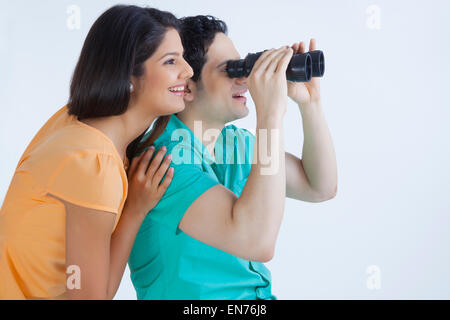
<point>176,89</point>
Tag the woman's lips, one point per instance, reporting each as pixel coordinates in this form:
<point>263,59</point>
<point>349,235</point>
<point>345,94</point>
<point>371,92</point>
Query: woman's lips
<point>178,93</point>
<point>177,90</point>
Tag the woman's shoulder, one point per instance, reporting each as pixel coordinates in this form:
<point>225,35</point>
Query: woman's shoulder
<point>65,144</point>
<point>63,135</point>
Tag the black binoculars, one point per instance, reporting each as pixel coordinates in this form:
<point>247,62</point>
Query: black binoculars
<point>301,68</point>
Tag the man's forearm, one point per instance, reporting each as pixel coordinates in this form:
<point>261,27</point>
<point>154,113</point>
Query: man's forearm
<point>318,155</point>
<point>259,209</point>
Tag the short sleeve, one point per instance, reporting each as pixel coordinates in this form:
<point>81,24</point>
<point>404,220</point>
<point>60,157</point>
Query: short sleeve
<point>91,180</point>
<point>241,142</point>
<point>188,183</point>
<point>246,141</point>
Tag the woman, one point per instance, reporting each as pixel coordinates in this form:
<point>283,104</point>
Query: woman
<point>61,213</point>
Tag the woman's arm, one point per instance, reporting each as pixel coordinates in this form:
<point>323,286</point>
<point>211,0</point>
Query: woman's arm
<point>101,254</point>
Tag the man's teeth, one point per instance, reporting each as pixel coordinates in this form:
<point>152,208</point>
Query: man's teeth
<point>177,89</point>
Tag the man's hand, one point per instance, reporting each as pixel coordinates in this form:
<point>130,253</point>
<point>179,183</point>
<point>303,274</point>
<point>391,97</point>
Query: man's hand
<point>304,93</point>
<point>267,83</point>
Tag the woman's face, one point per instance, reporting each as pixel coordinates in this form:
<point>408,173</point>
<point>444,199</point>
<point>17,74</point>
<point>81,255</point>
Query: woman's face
<point>166,72</point>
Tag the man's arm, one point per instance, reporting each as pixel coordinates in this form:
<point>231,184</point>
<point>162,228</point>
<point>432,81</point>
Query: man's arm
<point>248,226</point>
<point>314,177</point>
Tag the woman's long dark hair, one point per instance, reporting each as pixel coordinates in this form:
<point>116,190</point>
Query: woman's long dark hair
<point>197,33</point>
<point>115,49</point>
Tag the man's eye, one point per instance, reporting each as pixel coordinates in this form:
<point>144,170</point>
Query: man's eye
<point>171,61</point>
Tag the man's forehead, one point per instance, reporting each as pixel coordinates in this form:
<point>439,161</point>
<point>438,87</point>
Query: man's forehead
<point>215,61</point>
<point>220,50</point>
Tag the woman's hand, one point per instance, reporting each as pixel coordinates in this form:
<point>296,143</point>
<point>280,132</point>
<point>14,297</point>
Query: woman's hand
<point>304,93</point>
<point>144,188</point>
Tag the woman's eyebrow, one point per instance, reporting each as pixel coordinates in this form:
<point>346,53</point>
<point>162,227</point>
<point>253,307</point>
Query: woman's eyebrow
<point>169,54</point>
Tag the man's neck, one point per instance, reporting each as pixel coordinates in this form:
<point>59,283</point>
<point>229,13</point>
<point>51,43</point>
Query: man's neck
<point>199,126</point>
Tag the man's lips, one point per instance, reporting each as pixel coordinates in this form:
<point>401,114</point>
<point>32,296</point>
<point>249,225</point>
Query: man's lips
<point>240,96</point>
<point>240,93</point>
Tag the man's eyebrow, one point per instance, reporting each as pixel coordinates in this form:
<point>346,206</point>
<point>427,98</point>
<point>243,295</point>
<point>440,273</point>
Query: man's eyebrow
<point>169,54</point>
<point>226,61</point>
<point>222,63</point>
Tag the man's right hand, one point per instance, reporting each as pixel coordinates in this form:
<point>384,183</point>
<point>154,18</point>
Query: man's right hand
<point>267,83</point>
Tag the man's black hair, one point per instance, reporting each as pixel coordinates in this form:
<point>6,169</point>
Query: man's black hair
<point>197,33</point>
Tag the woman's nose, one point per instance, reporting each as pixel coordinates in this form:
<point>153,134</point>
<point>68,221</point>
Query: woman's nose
<point>187,71</point>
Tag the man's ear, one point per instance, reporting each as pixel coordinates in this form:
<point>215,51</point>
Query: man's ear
<point>190,91</point>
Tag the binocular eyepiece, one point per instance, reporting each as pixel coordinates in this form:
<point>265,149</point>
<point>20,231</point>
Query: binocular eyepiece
<point>301,68</point>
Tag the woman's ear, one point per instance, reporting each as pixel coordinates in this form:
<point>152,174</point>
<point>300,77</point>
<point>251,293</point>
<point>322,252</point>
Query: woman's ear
<point>133,84</point>
<point>190,90</point>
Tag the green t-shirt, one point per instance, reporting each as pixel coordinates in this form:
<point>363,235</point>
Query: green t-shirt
<point>165,262</point>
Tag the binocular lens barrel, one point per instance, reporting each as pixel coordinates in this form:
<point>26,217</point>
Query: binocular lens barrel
<point>301,68</point>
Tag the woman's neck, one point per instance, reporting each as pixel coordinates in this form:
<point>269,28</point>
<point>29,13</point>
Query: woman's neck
<point>122,129</point>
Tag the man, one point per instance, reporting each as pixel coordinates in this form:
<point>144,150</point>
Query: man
<point>219,219</point>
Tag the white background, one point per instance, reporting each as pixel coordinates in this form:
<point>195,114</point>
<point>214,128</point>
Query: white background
<point>385,97</point>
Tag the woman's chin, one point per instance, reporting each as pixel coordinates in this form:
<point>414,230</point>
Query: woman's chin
<point>174,109</point>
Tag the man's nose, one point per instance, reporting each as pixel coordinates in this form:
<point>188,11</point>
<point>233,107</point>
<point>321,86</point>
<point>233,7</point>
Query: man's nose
<point>241,81</point>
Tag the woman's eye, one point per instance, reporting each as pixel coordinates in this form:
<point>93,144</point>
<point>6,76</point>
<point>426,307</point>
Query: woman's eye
<point>171,61</point>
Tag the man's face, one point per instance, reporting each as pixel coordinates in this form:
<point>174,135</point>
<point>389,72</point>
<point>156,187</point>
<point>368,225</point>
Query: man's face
<point>216,93</point>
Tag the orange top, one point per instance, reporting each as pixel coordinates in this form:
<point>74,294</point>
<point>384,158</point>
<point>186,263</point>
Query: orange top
<point>76,163</point>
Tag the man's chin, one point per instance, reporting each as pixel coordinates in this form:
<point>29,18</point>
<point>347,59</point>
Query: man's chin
<point>239,113</point>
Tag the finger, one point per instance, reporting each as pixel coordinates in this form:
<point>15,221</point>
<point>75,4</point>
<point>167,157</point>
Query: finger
<point>159,174</point>
<point>266,61</point>
<point>140,171</point>
<point>302,47</point>
<point>132,167</point>
<point>261,58</point>
<point>156,162</point>
<point>137,160</point>
<point>167,180</point>
<point>274,62</point>
<point>312,44</point>
<point>284,62</point>
<point>295,47</point>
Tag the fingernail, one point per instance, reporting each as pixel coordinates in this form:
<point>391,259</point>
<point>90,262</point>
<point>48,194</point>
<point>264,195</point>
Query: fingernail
<point>152,147</point>
<point>164,148</point>
<point>169,156</point>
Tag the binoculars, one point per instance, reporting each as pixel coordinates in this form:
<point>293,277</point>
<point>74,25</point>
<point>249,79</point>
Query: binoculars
<point>301,68</point>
